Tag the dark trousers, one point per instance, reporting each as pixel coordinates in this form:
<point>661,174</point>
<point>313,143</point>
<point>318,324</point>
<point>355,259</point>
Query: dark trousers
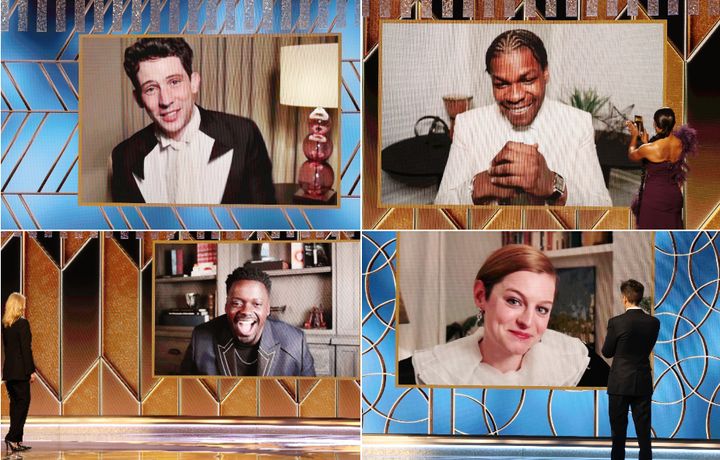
<point>19,394</point>
<point>618,408</point>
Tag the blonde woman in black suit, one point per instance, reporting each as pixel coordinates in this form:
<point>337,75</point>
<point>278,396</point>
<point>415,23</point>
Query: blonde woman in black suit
<point>18,368</point>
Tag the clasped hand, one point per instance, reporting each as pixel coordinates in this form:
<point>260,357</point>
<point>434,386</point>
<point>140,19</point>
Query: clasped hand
<point>517,167</point>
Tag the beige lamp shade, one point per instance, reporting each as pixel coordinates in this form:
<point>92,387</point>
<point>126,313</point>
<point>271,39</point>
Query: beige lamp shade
<point>309,75</point>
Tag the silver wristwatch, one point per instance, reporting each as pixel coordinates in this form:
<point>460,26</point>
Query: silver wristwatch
<point>558,188</point>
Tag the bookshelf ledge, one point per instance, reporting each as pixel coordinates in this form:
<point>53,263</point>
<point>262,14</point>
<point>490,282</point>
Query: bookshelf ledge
<point>581,251</point>
<point>185,279</point>
<point>299,271</point>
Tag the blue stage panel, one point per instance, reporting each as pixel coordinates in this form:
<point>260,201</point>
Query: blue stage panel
<point>43,63</point>
<point>686,361</point>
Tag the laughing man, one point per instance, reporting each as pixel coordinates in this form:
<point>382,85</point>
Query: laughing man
<point>525,149</point>
<point>245,341</point>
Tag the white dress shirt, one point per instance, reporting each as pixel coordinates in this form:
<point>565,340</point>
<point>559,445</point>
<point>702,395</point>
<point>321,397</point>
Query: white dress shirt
<point>557,360</point>
<point>180,171</point>
<point>564,135</point>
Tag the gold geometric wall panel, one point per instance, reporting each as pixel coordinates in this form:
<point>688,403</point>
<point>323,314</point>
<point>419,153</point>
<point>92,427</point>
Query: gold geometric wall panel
<point>84,398</point>
<point>163,400</point>
<point>276,401</point>
<point>434,218</point>
<point>699,27</point>
<point>242,400</point>
<point>290,386</point>
<point>226,386</point>
<point>4,401</point>
<point>557,219</point>
<point>480,217</point>
<point>212,385</point>
<point>505,218</point>
<point>614,218</point>
<point>72,245</point>
<point>117,399</point>
<point>396,218</point>
<point>313,397</point>
<point>197,400</point>
<point>80,313</point>
<point>95,366</point>
<point>146,360</point>
<point>120,312</point>
<point>42,290</point>
<point>42,400</point>
<point>589,218</point>
<point>348,399</point>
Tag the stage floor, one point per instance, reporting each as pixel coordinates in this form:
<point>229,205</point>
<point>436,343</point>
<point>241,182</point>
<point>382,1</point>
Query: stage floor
<point>45,451</point>
<point>384,447</point>
<point>188,438</point>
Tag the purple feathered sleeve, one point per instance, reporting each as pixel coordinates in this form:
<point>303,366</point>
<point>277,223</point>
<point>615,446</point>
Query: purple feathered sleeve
<point>688,137</point>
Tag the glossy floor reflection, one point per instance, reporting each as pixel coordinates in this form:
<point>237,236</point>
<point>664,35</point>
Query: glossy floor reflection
<point>551,454</point>
<point>48,451</point>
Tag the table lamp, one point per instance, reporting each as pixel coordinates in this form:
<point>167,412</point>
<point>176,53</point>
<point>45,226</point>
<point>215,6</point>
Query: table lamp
<point>309,77</point>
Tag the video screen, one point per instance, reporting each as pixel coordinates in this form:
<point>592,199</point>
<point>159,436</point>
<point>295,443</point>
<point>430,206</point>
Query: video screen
<point>515,114</point>
<point>514,309</point>
<point>210,120</point>
<point>255,308</point>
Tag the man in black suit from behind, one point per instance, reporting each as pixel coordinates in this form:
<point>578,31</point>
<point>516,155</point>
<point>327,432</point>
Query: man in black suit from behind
<point>630,339</point>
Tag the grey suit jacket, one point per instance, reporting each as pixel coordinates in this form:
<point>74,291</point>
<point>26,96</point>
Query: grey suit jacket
<point>283,350</point>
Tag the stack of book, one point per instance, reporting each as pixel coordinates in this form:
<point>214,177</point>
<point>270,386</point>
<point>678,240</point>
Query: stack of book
<point>175,262</point>
<point>206,264</point>
<point>552,241</point>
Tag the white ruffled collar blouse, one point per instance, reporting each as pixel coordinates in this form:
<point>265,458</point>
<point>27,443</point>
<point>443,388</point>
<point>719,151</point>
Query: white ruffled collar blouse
<point>557,360</point>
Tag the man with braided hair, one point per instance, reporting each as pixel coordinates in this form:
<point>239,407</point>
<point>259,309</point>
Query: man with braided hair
<point>524,149</point>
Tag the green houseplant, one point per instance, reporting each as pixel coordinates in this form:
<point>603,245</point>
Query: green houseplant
<point>611,136</point>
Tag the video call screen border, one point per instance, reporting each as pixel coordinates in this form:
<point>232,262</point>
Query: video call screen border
<point>43,192</point>
<point>483,216</point>
<point>471,274</point>
<point>685,354</point>
<point>335,113</point>
<point>220,308</point>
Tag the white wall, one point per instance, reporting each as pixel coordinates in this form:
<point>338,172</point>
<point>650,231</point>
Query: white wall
<point>422,62</point>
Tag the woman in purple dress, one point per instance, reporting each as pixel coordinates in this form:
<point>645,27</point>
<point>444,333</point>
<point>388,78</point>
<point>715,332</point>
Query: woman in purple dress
<point>664,157</point>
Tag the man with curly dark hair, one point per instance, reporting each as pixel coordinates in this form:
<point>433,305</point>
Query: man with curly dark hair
<point>187,155</point>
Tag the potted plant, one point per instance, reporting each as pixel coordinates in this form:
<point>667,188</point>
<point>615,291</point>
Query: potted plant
<point>611,136</point>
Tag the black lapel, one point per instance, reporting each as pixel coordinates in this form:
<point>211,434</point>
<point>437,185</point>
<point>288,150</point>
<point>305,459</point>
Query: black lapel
<point>140,147</point>
<point>213,127</point>
<point>224,347</point>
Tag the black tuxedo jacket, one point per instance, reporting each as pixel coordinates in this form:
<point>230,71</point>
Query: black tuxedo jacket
<point>630,339</point>
<point>282,352</point>
<point>250,178</point>
<point>19,364</point>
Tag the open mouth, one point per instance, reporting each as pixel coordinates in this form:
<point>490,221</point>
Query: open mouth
<point>245,325</point>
